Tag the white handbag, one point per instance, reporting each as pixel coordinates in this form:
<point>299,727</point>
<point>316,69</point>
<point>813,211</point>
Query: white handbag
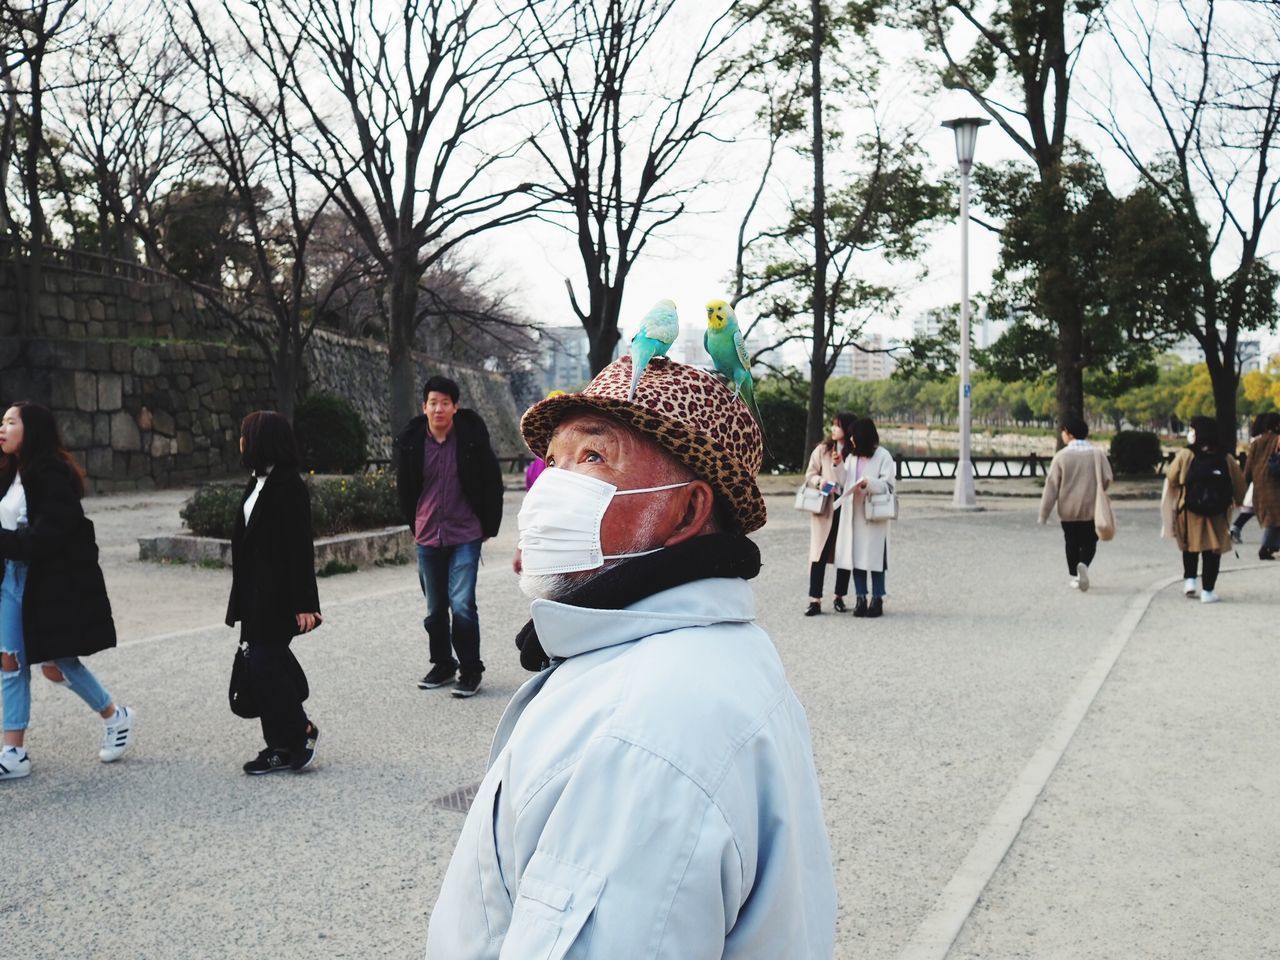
<point>811,500</point>
<point>878,507</point>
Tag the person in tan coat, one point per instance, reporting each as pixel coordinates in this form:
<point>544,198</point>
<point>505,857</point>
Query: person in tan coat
<point>1200,477</point>
<point>1266,488</point>
<point>1072,486</point>
<point>826,466</point>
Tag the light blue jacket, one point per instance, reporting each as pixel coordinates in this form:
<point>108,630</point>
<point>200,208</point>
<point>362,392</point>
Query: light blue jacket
<point>651,796</point>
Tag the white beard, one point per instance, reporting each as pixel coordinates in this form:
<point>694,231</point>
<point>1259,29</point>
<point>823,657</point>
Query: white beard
<point>556,586</point>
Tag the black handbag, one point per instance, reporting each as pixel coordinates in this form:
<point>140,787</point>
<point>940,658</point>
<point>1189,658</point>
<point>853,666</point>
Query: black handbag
<point>240,690</point>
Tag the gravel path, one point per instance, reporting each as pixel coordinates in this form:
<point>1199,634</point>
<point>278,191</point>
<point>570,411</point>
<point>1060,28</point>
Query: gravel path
<point>1155,835</point>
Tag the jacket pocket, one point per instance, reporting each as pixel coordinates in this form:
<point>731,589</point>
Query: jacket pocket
<point>494,896</point>
<point>554,903</point>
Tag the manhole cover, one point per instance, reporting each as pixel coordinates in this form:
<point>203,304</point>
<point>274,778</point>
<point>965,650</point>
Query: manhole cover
<point>458,800</point>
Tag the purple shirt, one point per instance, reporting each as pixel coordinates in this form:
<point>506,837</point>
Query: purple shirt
<point>444,517</point>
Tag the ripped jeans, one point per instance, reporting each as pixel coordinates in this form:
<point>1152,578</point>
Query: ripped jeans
<point>15,685</point>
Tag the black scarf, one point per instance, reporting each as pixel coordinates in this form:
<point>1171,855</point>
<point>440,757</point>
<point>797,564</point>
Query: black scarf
<point>712,555</point>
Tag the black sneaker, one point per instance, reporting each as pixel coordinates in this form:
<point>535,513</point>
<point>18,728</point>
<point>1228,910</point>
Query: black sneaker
<point>438,676</point>
<point>838,605</point>
<point>303,758</point>
<point>467,686</point>
<point>813,609</point>
<point>270,760</point>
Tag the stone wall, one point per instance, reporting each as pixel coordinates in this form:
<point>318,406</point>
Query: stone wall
<point>150,392</point>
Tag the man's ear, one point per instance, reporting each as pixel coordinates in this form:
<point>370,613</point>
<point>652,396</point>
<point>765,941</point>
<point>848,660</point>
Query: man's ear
<point>699,506</point>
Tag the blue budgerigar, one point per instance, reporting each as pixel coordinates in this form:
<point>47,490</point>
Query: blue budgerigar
<point>723,341</point>
<point>657,332</point>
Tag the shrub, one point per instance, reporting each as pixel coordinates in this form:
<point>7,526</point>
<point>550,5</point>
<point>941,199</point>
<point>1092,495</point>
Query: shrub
<point>1135,452</point>
<point>331,436</point>
<point>338,505</point>
<point>784,409</point>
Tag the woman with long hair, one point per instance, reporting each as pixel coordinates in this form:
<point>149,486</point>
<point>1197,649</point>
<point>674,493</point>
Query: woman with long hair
<point>1201,484</point>
<point>53,599</point>
<point>1265,486</point>
<point>826,472</point>
<point>861,543</point>
<point>1263,424</point>
<point>273,589</point>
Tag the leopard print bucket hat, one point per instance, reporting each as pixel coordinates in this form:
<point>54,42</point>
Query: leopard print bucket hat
<point>691,413</point>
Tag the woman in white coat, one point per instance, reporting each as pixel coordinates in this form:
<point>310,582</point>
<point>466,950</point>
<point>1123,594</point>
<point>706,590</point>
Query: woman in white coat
<point>861,543</point>
<point>826,466</point>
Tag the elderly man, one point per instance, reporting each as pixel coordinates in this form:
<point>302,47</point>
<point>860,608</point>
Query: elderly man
<point>651,792</point>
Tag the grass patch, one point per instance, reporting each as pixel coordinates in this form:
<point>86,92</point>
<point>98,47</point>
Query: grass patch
<point>212,563</point>
<point>336,568</point>
<point>396,561</point>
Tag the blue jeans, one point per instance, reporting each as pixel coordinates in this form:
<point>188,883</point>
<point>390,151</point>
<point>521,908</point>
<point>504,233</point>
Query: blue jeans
<point>448,578</point>
<point>860,582</point>
<point>16,684</point>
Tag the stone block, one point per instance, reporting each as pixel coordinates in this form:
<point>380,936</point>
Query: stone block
<point>97,311</point>
<point>97,355</point>
<point>77,429</point>
<point>101,430</point>
<point>56,328</point>
<point>162,422</point>
<point>124,432</point>
<point>186,443</point>
<point>86,390</point>
<point>139,466</point>
<point>160,446</point>
<point>121,361</point>
<point>96,329</point>
<point>100,462</point>
<point>67,354</point>
<point>63,389</point>
<point>110,392</point>
<point>67,308</point>
<point>146,363</point>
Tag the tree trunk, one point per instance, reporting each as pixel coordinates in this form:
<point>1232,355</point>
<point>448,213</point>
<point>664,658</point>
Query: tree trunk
<point>1057,296</point>
<point>818,355</point>
<point>286,382</point>
<point>35,250</point>
<point>601,339</point>
<point>1222,376</point>
<point>402,402</point>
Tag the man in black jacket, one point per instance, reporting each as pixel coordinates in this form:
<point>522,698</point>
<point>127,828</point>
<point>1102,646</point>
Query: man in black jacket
<point>450,488</point>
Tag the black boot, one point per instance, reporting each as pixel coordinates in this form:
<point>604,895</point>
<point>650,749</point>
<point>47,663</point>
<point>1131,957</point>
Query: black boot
<point>877,607</point>
<point>838,605</point>
<point>860,608</point>
<point>813,609</point>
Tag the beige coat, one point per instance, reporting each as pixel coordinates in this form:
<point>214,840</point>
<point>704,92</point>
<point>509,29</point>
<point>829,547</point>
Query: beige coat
<point>863,544</point>
<point>1072,483</point>
<point>1266,489</point>
<point>1194,533</point>
<point>822,469</point>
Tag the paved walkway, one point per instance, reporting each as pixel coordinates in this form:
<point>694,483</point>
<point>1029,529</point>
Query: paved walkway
<point>1134,730</point>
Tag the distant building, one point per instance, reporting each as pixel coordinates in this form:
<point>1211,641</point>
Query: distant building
<point>987,328</point>
<point>564,362</point>
<point>871,362</point>
<point>1248,353</point>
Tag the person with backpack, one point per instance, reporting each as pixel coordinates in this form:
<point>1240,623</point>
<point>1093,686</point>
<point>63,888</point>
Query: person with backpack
<point>1071,486</point>
<point>1263,465</point>
<point>1202,483</point>
<point>1262,424</point>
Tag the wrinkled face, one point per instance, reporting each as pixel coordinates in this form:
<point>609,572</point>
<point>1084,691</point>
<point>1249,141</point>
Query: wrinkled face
<point>11,431</point>
<point>606,450</point>
<point>717,314</point>
<point>440,409</point>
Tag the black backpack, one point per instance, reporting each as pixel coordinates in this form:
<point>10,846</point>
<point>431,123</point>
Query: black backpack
<point>1209,491</point>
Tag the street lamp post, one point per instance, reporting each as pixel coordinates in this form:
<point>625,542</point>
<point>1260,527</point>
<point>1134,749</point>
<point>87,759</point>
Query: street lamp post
<point>966,130</point>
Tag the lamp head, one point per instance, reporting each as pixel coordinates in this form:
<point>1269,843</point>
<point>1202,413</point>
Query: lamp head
<point>966,130</point>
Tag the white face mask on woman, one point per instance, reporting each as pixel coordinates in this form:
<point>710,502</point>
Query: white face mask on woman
<point>560,522</point>
<point>1191,437</point>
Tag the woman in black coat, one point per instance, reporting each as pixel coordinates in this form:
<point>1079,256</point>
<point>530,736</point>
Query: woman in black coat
<point>273,590</point>
<point>53,600</point>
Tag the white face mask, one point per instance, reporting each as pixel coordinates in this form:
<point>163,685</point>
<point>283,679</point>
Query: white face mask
<point>1191,438</point>
<point>560,522</point>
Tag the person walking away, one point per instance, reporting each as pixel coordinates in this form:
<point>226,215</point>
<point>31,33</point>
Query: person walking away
<point>450,488</point>
<point>54,607</point>
<point>826,473</point>
<point>1071,486</point>
<point>1201,484</point>
<point>1262,424</point>
<point>1265,478</point>
<point>861,543</point>
<point>273,589</point>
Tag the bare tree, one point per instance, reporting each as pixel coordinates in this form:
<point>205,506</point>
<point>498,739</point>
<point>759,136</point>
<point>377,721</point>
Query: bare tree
<point>410,130</point>
<point>1214,94</point>
<point>620,135</point>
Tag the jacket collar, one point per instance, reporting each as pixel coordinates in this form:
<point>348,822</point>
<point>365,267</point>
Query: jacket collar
<point>568,631</point>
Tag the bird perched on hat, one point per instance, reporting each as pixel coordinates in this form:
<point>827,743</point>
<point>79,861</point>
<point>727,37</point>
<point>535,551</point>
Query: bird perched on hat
<point>723,340</point>
<point>657,332</point>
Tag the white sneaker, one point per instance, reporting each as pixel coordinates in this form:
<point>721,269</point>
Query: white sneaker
<point>1189,586</point>
<point>1073,583</point>
<point>117,734</point>
<point>1082,573</point>
<point>1208,596</point>
<point>13,766</point>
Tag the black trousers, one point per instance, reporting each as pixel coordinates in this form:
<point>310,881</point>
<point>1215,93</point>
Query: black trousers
<point>817,569</point>
<point>1081,541</point>
<point>1212,561</point>
<point>273,672</point>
